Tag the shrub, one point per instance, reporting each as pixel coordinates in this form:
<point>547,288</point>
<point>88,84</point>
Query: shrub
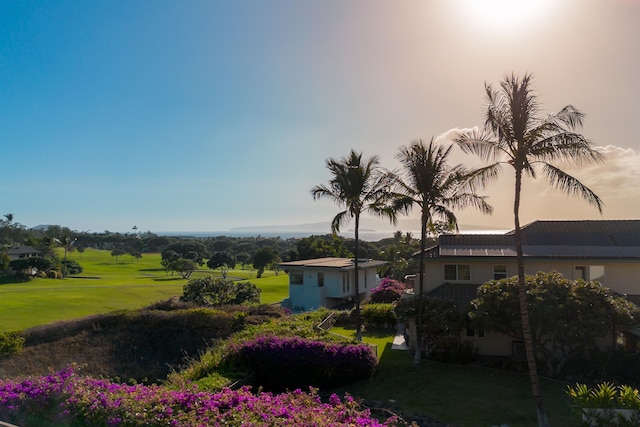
<point>71,267</point>
<point>65,399</point>
<point>11,342</point>
<point>387,291</point>
<point>211,291</point>
<point>601,405</point>
<point>281,363</point>
<point>379,315</point>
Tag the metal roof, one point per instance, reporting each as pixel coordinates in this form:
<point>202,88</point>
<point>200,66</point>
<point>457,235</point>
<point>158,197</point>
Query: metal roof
<point>338,263</point>
<point>550,239</point>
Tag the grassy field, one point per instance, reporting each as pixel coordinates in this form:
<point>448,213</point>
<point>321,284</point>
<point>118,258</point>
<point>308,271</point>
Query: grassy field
<point>460,395</point>
<point>106,286</point>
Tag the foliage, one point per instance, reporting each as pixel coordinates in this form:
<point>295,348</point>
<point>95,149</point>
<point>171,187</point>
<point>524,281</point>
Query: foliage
<point>566,317</point>
<point>184,267</point>
<point>328,245</point>
<point>288,362</point>
<point>72,267</point>
<point>194,250</point>
<point>212,291</point>
<point>168,256</point>
<point>606,404</point>
<point>117,252</point>
<point>67,399</point>
<point>11,343</point>
<point>222,260</point>
<point>24,266</point>
<point>262,258</point>
<point>4,261</point>
<point>387,291</point>
<point>441,318</point>
<point>381,315</point>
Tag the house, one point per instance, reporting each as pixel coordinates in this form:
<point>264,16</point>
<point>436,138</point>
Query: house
<point>607,251</point>
<point>23,252</point>
<point>328,282</point>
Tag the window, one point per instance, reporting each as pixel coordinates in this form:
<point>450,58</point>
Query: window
<point>499,271</point>
<point>589,273</point>
<point>457,272</point>
<point>296,278</point>
<point>320,280</point>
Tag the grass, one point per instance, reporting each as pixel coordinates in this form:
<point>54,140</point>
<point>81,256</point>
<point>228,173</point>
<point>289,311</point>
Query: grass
<point>106,286</point>
<point>460,395</point>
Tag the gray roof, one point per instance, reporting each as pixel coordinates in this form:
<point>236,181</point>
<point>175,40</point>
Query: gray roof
<point>549,239</point>
<point>337,263</point>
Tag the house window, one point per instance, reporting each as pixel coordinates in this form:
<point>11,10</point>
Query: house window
<point>457,272</point>
<point>499,271</point>
<point>589,273</point>
<point>320,280</point>
<point>296,278</point>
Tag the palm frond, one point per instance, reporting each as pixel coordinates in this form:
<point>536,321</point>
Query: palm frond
<point>571,185</point>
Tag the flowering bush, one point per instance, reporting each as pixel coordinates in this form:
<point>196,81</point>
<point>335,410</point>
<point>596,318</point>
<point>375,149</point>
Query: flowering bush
<point>387,291</point>
<point>65,399</point>
<point>289,362</point>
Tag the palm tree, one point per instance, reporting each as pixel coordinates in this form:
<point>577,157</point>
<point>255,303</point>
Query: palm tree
<point>357,185</point>
<point>515,134</point>
<point>435,188</point>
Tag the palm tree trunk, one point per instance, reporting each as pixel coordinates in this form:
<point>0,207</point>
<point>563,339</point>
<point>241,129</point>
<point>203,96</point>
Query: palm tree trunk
<point>356,284</point>
<point>524,310</point>
<point>417,356</point>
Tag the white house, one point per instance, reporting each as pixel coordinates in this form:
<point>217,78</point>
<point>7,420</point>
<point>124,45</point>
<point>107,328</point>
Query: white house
<point>606,251</point>
<point>328,282</point>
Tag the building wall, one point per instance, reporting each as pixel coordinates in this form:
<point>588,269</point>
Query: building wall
<point>338,286</point>
<point>619,276</point>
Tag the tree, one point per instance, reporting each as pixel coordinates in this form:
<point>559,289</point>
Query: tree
<point>66,241</point>
<point>168,256</point>
<point>184,267</point>
<point>116,252</point>
<point>222,260</point>
<point>516,135</point>
<point>214,291</point>
<point>321,246</point>
<point>359,186</point>
<point>436,188</point>
<point>565,317</point>
<point>441,317</point>
<point>262,258</point>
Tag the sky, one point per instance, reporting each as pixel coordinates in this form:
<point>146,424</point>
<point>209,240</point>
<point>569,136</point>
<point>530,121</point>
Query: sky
<point>210,115</point>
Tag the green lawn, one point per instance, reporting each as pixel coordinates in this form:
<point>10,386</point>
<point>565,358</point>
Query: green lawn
<point>107,286</point>
<point>459,395</point>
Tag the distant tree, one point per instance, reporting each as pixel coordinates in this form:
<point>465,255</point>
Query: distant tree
<point>262,258</point>
<point>29,266</point>
<point>222,260</point>
<point>322,246</point>
<point>212,291</point>
<point>168,256</point>
<point>117,252</point>
<point>4,261</point>
<point>184,267</point>
<point>243,258</point>
<point>185,247</point>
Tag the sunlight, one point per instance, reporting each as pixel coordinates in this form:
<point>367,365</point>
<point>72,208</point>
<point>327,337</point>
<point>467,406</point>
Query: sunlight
<point>501,15</point>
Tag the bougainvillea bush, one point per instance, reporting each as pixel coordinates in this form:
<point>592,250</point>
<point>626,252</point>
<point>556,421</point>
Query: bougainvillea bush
<point>281,363</point>
<point>387,291</point>
<point>65,399</point>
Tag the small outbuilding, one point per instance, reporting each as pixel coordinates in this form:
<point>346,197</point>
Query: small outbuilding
<point>328,282</point>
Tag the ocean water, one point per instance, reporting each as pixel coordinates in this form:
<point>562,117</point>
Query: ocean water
<point>366,235</point>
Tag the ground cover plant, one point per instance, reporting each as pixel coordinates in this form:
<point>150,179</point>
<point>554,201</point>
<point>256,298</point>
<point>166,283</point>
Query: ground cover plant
<point>67,399</point>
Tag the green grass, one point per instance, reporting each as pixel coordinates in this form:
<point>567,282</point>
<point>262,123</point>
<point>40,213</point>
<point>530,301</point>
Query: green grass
<point>459,395</point>
<point>106,286</point>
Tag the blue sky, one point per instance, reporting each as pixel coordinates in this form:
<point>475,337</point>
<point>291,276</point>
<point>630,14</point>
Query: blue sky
<point>207,115</point>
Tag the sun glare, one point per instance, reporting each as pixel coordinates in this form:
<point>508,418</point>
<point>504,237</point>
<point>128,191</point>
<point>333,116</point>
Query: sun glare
<point>501,15</point>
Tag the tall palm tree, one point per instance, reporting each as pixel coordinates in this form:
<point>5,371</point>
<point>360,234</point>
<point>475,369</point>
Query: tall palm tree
<point>436,188</point>
<point>359,186</point>
<point>515,134</point>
